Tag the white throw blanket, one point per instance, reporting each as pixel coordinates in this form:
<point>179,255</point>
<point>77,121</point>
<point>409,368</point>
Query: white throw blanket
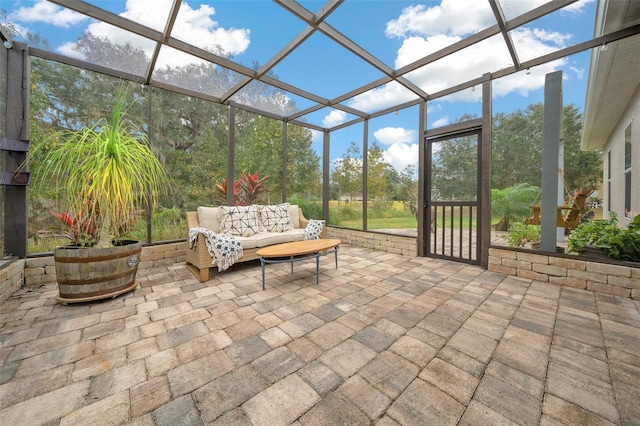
<point>224,249</point>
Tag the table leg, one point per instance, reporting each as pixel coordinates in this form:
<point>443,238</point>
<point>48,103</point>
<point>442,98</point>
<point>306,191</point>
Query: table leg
<point>262,267</point>
<point>317,268</point>
<point>336,252</point>
<point>291,264</point>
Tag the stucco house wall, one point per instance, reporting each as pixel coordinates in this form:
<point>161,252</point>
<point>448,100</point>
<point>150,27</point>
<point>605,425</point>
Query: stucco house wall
<point>614,188</point>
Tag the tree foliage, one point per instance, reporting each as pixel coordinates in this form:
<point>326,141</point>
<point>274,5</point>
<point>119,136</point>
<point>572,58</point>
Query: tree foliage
<point>517,150</point>
<point>189,135</point>
<point>454,169</point>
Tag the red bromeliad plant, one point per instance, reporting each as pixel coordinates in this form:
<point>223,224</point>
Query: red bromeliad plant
<point>221,189</point>
<point>246,189</point>
<point>81,230</point>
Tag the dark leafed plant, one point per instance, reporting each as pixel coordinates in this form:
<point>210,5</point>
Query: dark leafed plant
<point>246,189</point>
<point>605,235</point>
<point>80,228</point>
<point>251,186</point>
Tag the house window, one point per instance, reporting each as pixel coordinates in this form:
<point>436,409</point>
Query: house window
<point>627,171</point>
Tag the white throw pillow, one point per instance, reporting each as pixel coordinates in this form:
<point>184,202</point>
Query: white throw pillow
<point>209,217</point>
<point>239,220</point>
<point>275,218</point>
<point>313,231</point>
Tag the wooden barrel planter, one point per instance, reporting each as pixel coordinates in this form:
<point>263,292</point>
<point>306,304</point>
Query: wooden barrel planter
<point>88,273</point>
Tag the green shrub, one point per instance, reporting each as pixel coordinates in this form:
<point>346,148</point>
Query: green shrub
<point>511,204</point>
<point>617,243</point>
<point>312,209</point>
<point>521,234</point>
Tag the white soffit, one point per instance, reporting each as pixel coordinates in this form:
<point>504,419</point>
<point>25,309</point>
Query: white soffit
<point>614,73</point>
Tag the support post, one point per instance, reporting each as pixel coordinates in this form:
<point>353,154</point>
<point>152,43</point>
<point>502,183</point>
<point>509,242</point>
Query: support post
<point>326,163</point>
<point>16,125</point>
<point>231,159</point>
<point>484,160</point>
<point>365,173</point>
<point>421,207</point>
<point>551,134</point>
<point>284,161</point>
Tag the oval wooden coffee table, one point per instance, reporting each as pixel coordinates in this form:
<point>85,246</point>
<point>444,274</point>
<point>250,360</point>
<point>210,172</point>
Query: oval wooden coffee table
<point>297,251</point>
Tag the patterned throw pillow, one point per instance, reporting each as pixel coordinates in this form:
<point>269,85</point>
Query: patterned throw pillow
<point>239,220</point>
<point>275,218</point>
<point>313,229</point>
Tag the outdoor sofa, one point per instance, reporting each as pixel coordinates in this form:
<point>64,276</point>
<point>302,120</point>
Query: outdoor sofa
<point>240,222</point>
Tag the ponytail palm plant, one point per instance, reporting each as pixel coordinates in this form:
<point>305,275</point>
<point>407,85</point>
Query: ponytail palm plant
<point>107,171</point>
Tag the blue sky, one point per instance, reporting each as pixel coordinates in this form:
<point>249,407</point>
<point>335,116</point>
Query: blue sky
<point>395,31</point>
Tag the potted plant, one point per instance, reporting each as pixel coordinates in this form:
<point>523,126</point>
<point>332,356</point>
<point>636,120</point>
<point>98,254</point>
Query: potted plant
<point>603,238</point>
<point>107,172</point>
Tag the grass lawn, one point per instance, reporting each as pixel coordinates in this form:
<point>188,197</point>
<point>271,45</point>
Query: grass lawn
<point>383,223</point>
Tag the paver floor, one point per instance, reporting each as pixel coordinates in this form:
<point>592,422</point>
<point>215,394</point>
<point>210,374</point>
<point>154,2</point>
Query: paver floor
<point>384,339</point>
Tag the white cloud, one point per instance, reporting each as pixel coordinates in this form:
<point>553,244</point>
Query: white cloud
<point>426,30</point>
<point>461,67</point>
<point>382,97</point>
<point>559,39</point>
<point>192,25</point>
<point>453,17</point>
<point>394,135</point>
<point>579,72</point>
<point>453,70</point>
<point>441,122</point>
<point>402,148</point>
<point>399,155</point>
<point>334,118</point>
<point>43,11</point>
<point>578,6</point>
<point>70,49</point>
<point>316,135</point>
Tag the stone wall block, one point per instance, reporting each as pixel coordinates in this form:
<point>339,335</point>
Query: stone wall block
<point>608,289</point>
<point>556,271</point>
<point>526,273</point>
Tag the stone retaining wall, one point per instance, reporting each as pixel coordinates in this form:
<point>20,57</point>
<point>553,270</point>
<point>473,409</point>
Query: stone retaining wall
<point>36,271</point>
<point>11,279</point>
<point>398,244</point>
<point>615,278</point>
<point>619,279</point>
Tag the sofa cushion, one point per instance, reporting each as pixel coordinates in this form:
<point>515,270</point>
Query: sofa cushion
<point>239,220</point>
<point>295,216</point>
<point>264,239</point>
<point>275,218</point>
<point>209,217</point>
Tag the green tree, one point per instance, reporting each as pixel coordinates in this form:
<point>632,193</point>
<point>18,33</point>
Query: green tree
<point>190,136</point>
<point>582,169</point>
<point>303,164</point>
<point>259,149</point>
<point>454,169</point>
<point>378,175</point>
<point>517,147</point>
<point>347,173</point>
<point>517,150</point>
<point>408,189</point>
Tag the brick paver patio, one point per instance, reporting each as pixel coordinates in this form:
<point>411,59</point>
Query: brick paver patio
<point>384,339</point>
